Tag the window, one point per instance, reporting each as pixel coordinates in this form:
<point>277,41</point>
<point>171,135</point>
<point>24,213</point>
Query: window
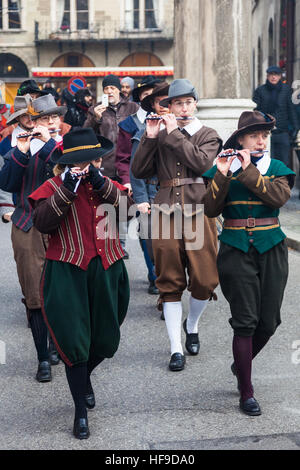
<point>66,21</point>
<point>82,14</point>
<point>10,14</point>
<point>72,15</point>
<point>12,66</point>
<point>141,59</point>
<point>150,14</point>
<point>141,14</point>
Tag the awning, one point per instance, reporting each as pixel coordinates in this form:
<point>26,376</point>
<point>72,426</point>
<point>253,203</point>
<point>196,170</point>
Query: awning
<point>101,71</point>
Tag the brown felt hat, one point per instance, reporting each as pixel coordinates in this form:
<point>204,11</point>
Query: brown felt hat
<point>161,89</point>
<point>250,121</point>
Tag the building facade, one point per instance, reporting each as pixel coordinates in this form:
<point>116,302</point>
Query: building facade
<point>58,39</point>
<point>275,38</point>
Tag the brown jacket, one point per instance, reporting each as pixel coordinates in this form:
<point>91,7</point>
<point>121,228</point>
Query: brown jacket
<point>177,155</point>
<point>108,127</point>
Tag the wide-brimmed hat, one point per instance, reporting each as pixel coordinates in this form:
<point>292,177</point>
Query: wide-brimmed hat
<point>30,86</point>
<point>250,121</point>
<point>149,81</point>
<point>160,89</point>
<point>45,105</point>
<point>81,145</point>
<point>21,105</point>
<point>178,88</point>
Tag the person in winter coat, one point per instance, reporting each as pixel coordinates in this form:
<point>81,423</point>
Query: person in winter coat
<point>275,98</point>
<point>77,114</point>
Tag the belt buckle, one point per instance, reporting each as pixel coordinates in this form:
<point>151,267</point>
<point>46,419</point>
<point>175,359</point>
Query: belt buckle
<point>251,222</point>
<point>176,182</point>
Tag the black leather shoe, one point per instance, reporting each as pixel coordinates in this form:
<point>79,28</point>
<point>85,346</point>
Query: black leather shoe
<point>250,407</point>
<point>233,370</point>
<point>81,428</point>
<point>152,289</point>
<point>44,372</point>
<point>177,362</point>
<point>54,357</point>
<point>90,401</point>
<point>192,342</point>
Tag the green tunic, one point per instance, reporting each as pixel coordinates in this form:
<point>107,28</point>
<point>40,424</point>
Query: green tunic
<point>242,203</point>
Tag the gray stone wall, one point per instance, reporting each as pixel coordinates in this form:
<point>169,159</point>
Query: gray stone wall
<point>216,51</point>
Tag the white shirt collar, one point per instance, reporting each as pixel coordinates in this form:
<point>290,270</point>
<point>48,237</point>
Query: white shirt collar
<point>141,115</point>
<point>17,130</point>
<point>37,144</point>
<point>192,127</point>
<point>262,165</point>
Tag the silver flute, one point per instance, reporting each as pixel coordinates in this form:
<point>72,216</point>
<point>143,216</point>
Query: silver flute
<point>236,152</point>
<point>24,136</point>
<point>158,118</point>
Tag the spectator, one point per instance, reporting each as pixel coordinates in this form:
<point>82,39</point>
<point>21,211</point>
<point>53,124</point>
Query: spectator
<point>105,119</point>
<point>50,89</point>
<point>77,114</point>
<point>274,97</point>
<point>127,87</point>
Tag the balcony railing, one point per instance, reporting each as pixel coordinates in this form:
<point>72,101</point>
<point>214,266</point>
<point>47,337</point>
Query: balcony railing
<point>101,31</point>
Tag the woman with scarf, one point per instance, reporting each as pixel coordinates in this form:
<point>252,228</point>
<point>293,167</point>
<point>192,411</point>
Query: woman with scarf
<point>248,189</point>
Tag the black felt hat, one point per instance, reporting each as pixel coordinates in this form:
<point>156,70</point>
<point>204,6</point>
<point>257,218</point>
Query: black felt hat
<point>30,86</point>
<point>81,145</point>
<point>149,81</point>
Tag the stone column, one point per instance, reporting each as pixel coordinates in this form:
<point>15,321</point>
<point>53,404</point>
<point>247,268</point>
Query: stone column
<point>213,50</point>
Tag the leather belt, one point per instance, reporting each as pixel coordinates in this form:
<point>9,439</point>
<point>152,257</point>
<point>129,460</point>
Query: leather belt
<point>251,222</point>
<point>180,182</point>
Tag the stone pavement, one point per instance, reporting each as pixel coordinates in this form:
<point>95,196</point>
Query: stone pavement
<point>141,405</point>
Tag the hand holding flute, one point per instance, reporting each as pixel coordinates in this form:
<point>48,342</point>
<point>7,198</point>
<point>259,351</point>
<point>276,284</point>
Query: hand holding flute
<point>39,132</point>
<point>225,158</point>
<point>170,120</point>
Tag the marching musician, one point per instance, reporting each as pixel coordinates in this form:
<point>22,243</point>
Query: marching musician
<point>179,155</point>
<point>84,286</point>
<point>26,167</point>
<point>248,188</point>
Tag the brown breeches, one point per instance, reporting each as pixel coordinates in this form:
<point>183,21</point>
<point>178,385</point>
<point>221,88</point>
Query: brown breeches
<point>29,253</point>
<point>177,266</point>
